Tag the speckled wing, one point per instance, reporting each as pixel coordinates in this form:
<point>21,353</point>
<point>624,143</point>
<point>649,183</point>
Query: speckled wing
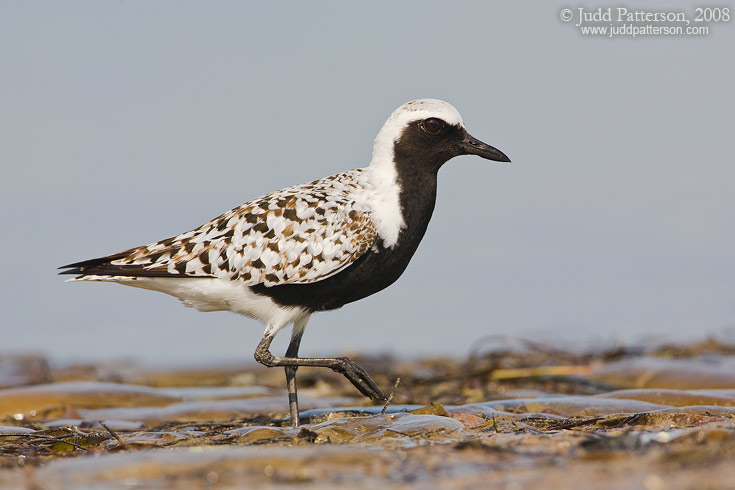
<point>301,234</point>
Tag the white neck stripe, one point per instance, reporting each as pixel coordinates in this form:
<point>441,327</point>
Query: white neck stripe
<point>382,174</point>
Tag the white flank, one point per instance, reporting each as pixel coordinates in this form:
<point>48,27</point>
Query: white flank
<point>216,294</point>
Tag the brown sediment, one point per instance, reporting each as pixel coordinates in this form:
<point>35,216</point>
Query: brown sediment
<point>529,417</point>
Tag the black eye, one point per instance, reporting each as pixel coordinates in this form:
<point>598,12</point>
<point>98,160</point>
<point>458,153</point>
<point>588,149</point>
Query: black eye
<point>432,125</point>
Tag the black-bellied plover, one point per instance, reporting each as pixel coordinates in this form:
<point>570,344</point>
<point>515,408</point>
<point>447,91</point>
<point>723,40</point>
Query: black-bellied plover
<point>310,247</point>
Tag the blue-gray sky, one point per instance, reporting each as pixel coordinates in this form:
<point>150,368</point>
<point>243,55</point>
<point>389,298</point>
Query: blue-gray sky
<point>127,122</point>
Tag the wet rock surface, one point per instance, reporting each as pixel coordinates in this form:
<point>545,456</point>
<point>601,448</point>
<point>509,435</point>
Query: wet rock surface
<point>513,414</point>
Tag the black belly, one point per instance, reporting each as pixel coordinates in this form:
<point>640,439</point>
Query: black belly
<point>372,272</point>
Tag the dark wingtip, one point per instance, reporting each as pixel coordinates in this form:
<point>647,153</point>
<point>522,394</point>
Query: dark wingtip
<point>85,265</point>
<point>76,267</point>
<point>76,270</point>
<point>69,266</point>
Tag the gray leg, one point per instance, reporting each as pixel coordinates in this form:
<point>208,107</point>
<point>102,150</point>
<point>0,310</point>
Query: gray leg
<point>293,352</point>
<point>343,365</point>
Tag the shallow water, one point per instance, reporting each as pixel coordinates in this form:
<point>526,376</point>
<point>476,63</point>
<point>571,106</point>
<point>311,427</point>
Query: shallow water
<point>529,418</point>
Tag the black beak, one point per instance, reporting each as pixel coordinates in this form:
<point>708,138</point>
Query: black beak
<point>473,146</point>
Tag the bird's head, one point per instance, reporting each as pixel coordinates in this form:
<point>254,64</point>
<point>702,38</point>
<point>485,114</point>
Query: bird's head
<point>427,133</point>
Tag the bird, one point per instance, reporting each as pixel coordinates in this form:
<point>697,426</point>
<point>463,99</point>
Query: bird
<point>311,247</point>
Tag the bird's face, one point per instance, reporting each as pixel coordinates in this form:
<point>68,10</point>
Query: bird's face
<point>424,134</point>
<point>432,141</point>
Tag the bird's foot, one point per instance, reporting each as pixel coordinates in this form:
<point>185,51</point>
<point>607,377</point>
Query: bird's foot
<point>358,377</point>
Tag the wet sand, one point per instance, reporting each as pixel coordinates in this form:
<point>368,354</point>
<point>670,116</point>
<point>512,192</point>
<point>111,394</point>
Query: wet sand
<point>512,415</point>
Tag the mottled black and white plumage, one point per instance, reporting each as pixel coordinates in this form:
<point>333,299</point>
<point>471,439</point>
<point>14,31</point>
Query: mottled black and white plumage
<point>309,247</point>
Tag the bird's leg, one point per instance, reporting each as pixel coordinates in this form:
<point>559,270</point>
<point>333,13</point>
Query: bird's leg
<point>293,352</point>
<point>343,365</point>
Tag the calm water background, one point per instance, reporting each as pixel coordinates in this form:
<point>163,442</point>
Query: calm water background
<point>128,122</point>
